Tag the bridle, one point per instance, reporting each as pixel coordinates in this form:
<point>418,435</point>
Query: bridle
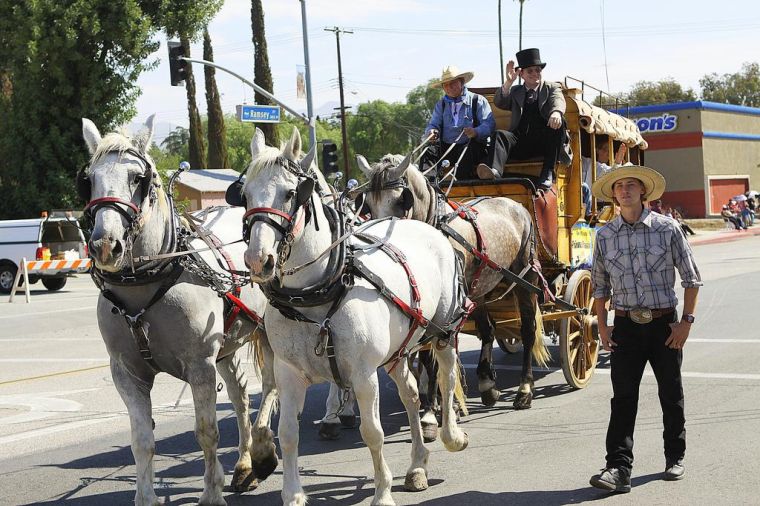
<point>302,193</point>
<point>133,213</point>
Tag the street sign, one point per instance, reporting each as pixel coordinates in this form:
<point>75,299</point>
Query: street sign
<point>258,113</point>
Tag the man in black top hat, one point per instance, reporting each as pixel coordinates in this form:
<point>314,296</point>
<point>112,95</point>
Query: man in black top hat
<point>538,126</point>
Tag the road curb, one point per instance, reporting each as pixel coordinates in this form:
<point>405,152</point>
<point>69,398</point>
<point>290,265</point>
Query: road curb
<point>722,236</point>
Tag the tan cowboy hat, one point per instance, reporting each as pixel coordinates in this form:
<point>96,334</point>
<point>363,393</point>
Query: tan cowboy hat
<point>450,73</point>
<point>654,182</point>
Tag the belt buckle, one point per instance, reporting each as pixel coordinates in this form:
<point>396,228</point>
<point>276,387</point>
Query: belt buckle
<point>641,315</point>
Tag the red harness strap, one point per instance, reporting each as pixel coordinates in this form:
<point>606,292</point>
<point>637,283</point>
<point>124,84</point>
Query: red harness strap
<point>414,312</point>
<point>480,252</point>
<point>234,296</point>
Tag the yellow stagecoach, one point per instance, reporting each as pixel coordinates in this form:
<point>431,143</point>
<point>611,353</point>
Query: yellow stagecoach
<point>564,238</point>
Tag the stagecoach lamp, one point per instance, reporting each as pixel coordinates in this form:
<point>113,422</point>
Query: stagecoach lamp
<point>337,176</point>
<point>183,165</point>
<point>445,164</point>
<point>351,184</point>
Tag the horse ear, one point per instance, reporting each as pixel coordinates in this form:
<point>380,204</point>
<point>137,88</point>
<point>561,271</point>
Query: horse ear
<point>399,171</point>
<point>363,165</point>
<point>91,135</point>
<point>144,137</point>
<point>258,142</point>
<point>307,160</point>
<point>292,149</point>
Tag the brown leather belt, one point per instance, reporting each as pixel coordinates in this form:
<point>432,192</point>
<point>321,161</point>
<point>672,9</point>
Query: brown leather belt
<point>656,313</point>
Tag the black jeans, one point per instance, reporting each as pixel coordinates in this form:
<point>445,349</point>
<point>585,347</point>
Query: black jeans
<point>638,344</point>
<point>536,142</point>
<point>476,153</point>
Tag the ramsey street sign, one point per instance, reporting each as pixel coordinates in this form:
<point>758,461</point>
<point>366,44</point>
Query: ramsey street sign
<point>258,113</point>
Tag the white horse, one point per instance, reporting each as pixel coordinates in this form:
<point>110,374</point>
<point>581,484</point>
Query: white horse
<point>347,337</point>
<point>162,316</point>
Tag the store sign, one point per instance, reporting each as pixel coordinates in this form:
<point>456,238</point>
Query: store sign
<point>665,123</point>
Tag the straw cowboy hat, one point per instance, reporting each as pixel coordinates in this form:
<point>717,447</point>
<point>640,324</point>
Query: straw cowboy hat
<point>653,181</point>
<point>451,73</point>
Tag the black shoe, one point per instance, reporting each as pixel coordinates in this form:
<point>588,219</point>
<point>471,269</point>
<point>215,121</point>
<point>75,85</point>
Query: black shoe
<point>486,172</point>
<point>674,470</point>
<point>612,479</point>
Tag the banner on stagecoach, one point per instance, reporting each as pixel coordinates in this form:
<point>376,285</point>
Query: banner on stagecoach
<point>258,113</point>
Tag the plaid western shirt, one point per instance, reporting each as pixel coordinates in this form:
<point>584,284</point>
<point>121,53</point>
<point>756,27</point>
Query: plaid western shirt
<point>636,263</point>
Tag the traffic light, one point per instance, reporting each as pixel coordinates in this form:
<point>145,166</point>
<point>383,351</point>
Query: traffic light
<point>329,157</point>
<point>177,66</point>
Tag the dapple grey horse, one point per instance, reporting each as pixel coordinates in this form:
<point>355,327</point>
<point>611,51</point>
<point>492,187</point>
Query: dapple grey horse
<point>366,329</point>
<point>398,188</point>
<point>183,329</point>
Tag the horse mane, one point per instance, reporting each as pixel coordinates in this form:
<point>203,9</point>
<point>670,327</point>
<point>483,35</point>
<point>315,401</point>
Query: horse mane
<point>114,141</point>
<point>268,155</point>
<point>379,176</point>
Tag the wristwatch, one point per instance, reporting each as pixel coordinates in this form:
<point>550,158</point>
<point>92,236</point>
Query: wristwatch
<point>688,317</point>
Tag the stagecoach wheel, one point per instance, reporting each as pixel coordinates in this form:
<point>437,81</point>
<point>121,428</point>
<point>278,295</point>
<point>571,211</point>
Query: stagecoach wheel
<point>578,337</point>
<point>508,339</point>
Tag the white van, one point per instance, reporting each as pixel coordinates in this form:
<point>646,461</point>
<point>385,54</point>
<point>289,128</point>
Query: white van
<point>51,237</point>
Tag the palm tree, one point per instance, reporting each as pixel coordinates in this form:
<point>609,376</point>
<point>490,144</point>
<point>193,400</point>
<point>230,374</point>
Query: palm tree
<point>176,142</point>
<point>196,146</point>
<point>521,16</point>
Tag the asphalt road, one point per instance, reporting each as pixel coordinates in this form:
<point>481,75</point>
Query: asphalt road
<point>64,433</point>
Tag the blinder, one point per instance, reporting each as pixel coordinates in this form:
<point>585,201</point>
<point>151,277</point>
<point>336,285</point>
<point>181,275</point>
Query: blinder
<point>234,195</point>
<point>407,199</point>
<point>360,205</point>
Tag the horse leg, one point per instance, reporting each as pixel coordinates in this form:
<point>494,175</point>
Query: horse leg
<point>430,402</point>
<point>292,387</point>
<point>416,476</point>
<point>263,449</point>
<point>348,416</point>
<point>486,373</point>
<point>453,438</point>
<point>329,427</point>
<point>237,387</point>
<point>527,303</point>
<point>135,393</point>
<point>368,398</point>
<point>202,382</point>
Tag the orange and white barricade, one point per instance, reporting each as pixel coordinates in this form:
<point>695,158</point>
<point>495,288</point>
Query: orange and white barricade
<point>46,267</point>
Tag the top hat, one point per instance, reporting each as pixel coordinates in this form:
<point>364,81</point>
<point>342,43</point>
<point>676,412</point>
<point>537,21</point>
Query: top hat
<point>450,73</point>
<point>653,181</point>
<point>529,58</point>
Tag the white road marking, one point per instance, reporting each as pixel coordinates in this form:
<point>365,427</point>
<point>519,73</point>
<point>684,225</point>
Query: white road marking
<point>722,341</point>
<point>25,315</point>
<point>52,340</point>
<point>647,372</point>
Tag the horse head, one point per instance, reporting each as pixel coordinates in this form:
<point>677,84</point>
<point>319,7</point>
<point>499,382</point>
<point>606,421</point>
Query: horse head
<point>392,187</point>
<point>120,187</point>
<point>277,190</point>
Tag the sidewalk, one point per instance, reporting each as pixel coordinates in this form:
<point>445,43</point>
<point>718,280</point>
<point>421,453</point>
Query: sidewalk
<point>722,235</point>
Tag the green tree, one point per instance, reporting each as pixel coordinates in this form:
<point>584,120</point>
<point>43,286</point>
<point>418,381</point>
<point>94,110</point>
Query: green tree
<point>196,144</point>
<point>59,62</point>
<point>379,127</point>
<point>740,88</point>
<point>262,72</point>
<point>660,92</point>
<point>217,142</point>
<point>176,142</point>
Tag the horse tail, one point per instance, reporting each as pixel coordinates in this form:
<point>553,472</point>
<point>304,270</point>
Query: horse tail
<point>459,394</point>
<point>256,352</point>
<point>539,351</point>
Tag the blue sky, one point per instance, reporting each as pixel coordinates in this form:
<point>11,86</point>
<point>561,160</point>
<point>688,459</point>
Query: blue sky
<point>399,44</point>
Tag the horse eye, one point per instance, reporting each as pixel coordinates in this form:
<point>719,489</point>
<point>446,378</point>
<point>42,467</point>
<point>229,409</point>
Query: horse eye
<point>137,179</point>
<point>290,195</point>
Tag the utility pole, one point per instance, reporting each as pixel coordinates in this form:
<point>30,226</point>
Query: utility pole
<point>501,49</point>
<point>309,103</point>
<point>343,132</point>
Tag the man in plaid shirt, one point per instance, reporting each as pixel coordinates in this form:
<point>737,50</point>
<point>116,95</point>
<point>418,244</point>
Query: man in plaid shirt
<point>635,258</point>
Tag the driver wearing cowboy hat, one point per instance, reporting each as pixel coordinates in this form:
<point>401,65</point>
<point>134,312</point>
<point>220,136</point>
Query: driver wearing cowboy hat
<point>463,122</point>
<point>635,258</point>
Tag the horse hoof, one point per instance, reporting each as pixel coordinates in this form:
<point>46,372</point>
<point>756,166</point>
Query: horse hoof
<point>429,432</point>
<point>348,421</point>
<point>523,401</point>
<point>243,480</point>
<point>466,441</point>
<point>489,397</point>
<point>264,467</point>
<point>329,431</point>
<point>416,481</point>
